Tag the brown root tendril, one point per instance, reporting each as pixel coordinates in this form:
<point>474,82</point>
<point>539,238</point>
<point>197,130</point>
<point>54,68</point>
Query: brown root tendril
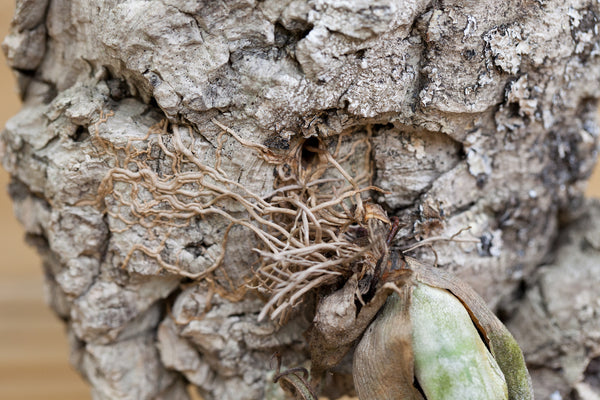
<point>306,226</point>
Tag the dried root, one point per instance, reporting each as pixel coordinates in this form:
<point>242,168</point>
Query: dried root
<point>313,228</point>
<point>294,381</point>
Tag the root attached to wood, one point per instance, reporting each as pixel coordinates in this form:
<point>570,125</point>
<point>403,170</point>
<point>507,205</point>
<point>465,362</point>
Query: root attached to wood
<point>312,229</point>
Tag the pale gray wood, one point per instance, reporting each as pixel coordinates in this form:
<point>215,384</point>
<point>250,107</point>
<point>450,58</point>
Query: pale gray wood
<point>483,111</point>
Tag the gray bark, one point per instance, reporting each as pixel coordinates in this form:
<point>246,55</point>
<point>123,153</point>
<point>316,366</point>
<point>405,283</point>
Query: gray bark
<point>483,115</point>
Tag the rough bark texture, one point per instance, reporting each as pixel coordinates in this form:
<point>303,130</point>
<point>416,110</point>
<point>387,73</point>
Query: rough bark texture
<point>482,114</point>
<point>557,323</point>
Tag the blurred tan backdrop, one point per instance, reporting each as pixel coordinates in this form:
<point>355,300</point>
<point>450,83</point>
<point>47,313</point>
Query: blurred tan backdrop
<point>33,348</point>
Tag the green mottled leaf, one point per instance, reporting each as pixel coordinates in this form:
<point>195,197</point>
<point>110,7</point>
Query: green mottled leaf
<point>503,346</point>
<point>451,360</point>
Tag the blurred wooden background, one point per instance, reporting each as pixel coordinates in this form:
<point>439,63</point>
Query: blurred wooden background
<point>33,348</point>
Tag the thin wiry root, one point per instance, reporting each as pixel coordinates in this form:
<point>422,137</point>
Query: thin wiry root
<point>304,226</point>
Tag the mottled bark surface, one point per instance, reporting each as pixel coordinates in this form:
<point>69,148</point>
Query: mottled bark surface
<point>557,322</point>
<point>476,114</point>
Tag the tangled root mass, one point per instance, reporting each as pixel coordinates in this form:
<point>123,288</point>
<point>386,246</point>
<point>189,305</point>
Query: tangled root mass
<point>312,229</point>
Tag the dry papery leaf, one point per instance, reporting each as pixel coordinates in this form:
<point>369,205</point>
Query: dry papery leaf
<point>422,338</point>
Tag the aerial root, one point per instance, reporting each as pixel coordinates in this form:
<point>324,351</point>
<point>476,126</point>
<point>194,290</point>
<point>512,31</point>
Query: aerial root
<point>303,226</point>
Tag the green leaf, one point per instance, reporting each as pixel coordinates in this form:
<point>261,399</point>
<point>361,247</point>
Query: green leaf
<point>451,360</point>
<point>501,343</point>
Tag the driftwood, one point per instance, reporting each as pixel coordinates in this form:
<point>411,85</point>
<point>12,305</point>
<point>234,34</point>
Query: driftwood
<point>158,140</point>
